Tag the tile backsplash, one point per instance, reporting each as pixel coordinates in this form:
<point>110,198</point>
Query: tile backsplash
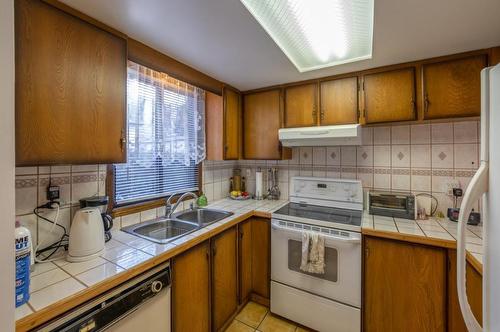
<point>75,182</point>
<point>421,158</point>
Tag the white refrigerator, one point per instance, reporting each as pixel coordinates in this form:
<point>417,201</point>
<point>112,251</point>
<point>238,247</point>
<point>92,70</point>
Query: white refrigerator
<point>486,185</point>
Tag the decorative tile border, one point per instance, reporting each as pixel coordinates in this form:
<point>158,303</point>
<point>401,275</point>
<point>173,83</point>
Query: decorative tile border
<point>464,173</point>
<point>55,180</point>
<point>401,171</point>
<point>382,171</point>
<point>421,172</point>
<point>442,172</point>
<point>26,183</point>
<point>83,178</point>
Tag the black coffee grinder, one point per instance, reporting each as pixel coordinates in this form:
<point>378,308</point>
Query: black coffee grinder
<point>100,202</point>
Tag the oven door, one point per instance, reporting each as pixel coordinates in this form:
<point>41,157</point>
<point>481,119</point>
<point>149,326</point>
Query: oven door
<point>342,278</point>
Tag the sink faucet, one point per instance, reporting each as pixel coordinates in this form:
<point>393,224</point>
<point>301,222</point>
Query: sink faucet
<point>169,209</point>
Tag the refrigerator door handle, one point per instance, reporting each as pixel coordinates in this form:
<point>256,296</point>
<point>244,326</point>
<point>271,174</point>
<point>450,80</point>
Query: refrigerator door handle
<point>477,187</point>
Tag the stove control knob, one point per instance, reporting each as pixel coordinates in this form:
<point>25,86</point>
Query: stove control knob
<point>156,286</point>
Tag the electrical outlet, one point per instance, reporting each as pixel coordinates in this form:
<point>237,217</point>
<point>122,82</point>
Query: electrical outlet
<point>450,185</point>
<point>53,193</point>
<point>248,172</point>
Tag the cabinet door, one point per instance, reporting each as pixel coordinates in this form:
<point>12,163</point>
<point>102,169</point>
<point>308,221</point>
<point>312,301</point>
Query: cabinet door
<point>474,293</point>
<point>301,106</point>
<point>404,286</point>
<point>214,126</point>
<point>261,122</point>
<point>225,277</point>
<point>339,101</point>
<point>453,88</point>
<point>245,260</point>
<point>261,250</point>
<point>70,89</point>
<point>389,96</point>
<point>232,116</point>
<point>190,289</point>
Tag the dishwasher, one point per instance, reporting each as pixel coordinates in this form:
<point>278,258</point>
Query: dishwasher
<point>140,304</point>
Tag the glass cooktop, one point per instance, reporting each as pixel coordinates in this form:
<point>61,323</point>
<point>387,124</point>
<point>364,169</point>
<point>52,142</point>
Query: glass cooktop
<point>322,213</point>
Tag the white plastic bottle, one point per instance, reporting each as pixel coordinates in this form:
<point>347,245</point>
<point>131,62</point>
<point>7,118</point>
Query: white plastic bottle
<point>23,263</point>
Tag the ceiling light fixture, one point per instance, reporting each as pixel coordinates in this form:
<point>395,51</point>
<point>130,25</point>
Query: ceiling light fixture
<point>316,34</point>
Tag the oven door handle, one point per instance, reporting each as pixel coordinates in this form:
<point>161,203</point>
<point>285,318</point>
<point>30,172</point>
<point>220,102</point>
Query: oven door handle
<point>276,227</point>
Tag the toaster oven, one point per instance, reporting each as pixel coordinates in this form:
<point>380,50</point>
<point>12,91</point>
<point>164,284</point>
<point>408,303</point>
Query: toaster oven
<point>392,204</point>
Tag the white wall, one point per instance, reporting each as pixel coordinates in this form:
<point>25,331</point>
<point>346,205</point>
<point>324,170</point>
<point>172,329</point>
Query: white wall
<point>7,165</point>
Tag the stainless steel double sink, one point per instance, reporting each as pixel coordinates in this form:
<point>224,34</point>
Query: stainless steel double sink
<point>164,230</point>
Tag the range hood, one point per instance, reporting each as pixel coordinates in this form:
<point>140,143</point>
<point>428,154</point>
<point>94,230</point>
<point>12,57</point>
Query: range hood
<point>321,136</point>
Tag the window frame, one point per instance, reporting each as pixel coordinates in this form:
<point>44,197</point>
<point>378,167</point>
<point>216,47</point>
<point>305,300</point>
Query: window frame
<point>142,205</point>
<point>146,204</point>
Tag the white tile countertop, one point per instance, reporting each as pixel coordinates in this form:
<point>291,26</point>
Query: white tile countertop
<point>432,228</point>
<point>54,281</point>
<point>58,280</point>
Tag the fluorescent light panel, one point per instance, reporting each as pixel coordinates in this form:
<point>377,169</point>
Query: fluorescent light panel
<point>316,34</point>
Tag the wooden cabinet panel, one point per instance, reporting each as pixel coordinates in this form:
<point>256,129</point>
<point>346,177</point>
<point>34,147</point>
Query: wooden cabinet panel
<point>190,289</point>
<point>301,105</point>
<point>223,125</point>
<point>494,56</point>
<point>404,286</point>
<point>70,89</point>
<point>232,118</point>
<point>245,260</point>
<point>339,101</point>
<point>453,88</point>
<point>261,122</point>
<point>389,96</point>
<point>261,250</point>
<point>474,293</point>
<point>214,126</point>
<point>224,280</point>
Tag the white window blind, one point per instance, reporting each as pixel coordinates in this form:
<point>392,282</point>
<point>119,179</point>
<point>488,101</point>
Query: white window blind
<point>166,137</point>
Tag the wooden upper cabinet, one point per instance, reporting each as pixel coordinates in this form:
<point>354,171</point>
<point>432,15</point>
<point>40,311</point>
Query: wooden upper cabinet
<point>301,109</point>
<point>261,122</point>
<point>453,88</point>
<point>404,287</point>
<point>339,101</point>
<point>494,56</point>
<point>223,125</point>
<point>70,89</point>
<point>191,289</point>
<point>232,118</point>
<point>389,96</point>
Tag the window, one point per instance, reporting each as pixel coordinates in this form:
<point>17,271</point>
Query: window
<point>166,137</point>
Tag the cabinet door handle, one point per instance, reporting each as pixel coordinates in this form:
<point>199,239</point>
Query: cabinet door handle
<point>413,104</point>
<point>426,103</point>
<point>123,142</point>
<point>314,113</point>
<point>322,114</point>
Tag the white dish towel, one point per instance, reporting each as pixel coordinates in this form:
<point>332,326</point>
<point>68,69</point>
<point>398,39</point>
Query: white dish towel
<point>313,253</point>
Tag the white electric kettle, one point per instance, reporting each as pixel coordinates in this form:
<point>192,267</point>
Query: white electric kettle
<point>86,236</point>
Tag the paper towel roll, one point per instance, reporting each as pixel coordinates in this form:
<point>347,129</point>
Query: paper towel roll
<point>258,184</point>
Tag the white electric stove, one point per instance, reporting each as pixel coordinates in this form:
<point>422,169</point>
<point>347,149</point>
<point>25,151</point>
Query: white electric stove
<point>329,301</point>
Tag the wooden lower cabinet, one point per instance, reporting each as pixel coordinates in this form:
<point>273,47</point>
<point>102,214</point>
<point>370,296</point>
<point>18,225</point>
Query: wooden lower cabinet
<point>245,260</point>
<point>474,293</point>
<point>261,251</point>
<point>404,286</point>
<point>210,280</point>
<point>224,277</point>
<point>191,289</point>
